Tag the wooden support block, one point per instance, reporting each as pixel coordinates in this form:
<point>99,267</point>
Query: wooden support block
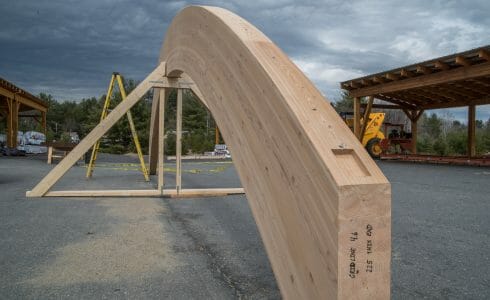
<point>461,60</point>
<point>423,69</point>
<point>484,54</point>
<point>441,65</point>
<point>50,155</point>
<point>406,73</point>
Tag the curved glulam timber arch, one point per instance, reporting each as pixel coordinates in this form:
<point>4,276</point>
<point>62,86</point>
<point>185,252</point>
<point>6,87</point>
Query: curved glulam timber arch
<point>321,204</point>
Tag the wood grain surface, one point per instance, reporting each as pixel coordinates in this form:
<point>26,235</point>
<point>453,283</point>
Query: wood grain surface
<point>322,205</point>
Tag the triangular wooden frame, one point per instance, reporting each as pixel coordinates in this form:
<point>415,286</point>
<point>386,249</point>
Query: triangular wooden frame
<point>156,79</point>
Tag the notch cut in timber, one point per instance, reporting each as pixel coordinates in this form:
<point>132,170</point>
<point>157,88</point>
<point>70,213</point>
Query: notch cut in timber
<point>156,79</point>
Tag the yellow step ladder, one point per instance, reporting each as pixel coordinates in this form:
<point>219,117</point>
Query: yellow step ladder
<point>90,169</point>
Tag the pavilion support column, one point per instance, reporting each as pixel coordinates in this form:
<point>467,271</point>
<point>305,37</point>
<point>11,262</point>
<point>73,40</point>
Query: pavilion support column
<point>357,116</point>
<point>413,125</point>
<point>12,122</point>
<point>471,130</point>
<point>43,123</point>
<point>414,116</point>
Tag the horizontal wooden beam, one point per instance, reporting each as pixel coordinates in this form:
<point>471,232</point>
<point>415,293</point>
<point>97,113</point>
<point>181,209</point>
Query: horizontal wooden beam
<point>383,106</point>
<point>399,102</point>
<point>425,80</point>
<point>185,193</point>
<point>480,101</point>
<point>171,82</point>
<point>22,99</point>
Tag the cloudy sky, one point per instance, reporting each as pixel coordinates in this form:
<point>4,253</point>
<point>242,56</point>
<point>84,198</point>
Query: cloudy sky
<point>70,48</point>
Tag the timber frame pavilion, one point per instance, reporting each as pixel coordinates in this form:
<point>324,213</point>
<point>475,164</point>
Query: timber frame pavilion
<point>461,79</point>
<point>17,103</point>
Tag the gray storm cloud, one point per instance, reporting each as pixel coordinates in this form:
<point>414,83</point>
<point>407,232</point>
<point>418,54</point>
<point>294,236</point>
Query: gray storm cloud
<point>70,48</point>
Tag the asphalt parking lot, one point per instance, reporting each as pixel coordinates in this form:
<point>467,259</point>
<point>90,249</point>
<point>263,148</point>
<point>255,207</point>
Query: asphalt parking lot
<point>210,247</point>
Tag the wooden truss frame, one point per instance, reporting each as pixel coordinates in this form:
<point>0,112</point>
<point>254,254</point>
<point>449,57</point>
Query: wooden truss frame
<point>156,79</point>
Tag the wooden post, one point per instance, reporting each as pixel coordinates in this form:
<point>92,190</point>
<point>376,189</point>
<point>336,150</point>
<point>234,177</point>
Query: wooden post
<point>178,146</point>
<point>12,122</point>
<point>161,140</point>
<point>413,125</point>
<point>471,130</point>
<point>43,123</point>
<point>154,134</point>
<point>216,135</point>
<point>357,116</point>
<point>414,116</point>
<point>365,119</point>
<point>50,155</point>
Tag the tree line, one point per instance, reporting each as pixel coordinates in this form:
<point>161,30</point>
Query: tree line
<point>437,134</point>
<point>65,117</point>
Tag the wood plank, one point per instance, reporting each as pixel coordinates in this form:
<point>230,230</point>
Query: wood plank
<point>479,101</point>
<point>384,106</point>
<point>197,193</point>
<point>185,193</point>
<point>452,75</point>
<point>309,182</point>
<point>119,111</point>
<point>104,193</point>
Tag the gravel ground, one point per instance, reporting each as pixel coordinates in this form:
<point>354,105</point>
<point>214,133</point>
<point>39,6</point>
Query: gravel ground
<point>210,247</point>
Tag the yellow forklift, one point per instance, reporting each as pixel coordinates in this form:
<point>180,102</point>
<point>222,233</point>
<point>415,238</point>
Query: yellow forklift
<point>381,137</point>
<point>373,136</point>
